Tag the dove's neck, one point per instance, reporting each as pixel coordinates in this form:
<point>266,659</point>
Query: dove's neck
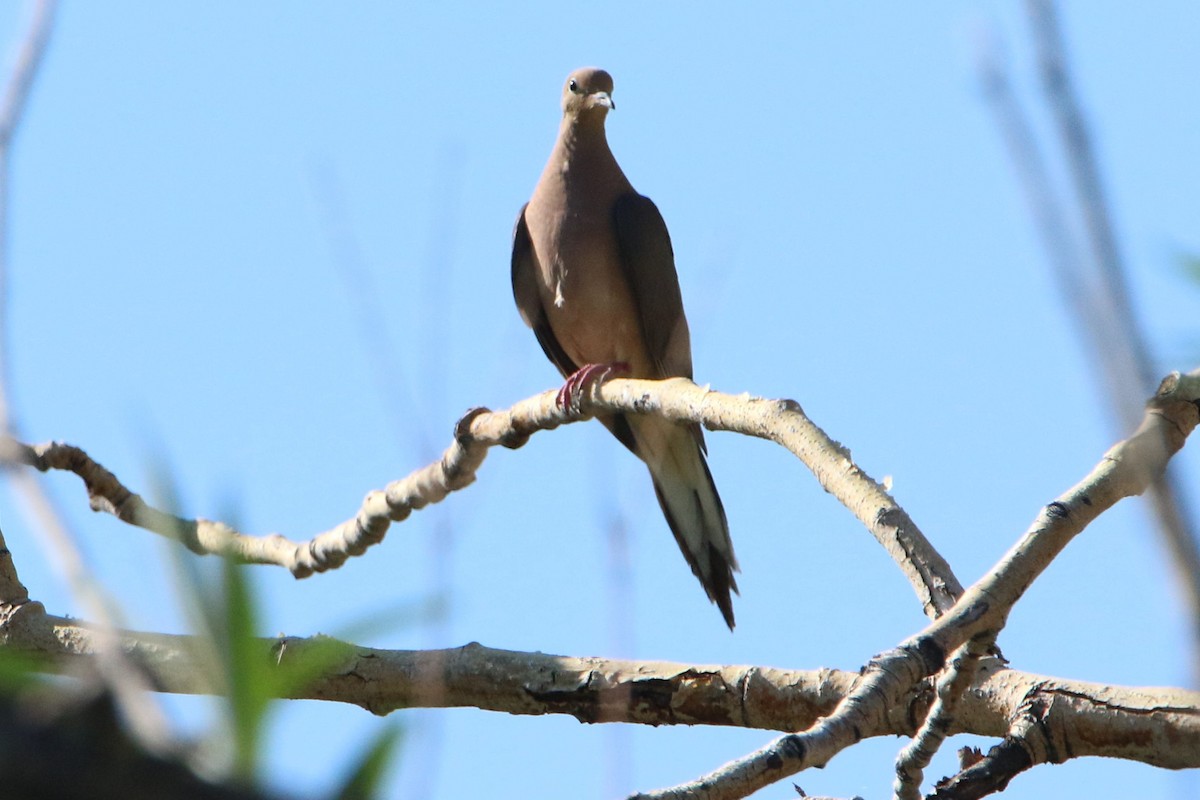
<point>583,135</point>
<point>583,162</point>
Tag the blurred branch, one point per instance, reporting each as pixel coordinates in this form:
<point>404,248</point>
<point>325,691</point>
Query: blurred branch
<point>1050,222</point>
<point>142,715</point>
<point>11,113</point>
<point>1129,355</point>
<point>1125,349</point>
<point>16,92</point>
<point>127,685</point>
<point>1091,279</point>
<point>1127,469</point>
<point>1162,724</point>
<point>678,399</point>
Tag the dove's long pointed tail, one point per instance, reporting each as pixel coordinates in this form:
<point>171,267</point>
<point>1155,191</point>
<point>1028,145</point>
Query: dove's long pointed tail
<point>692,507</point>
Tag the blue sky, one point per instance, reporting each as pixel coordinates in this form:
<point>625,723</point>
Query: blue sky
<point>268,244</point>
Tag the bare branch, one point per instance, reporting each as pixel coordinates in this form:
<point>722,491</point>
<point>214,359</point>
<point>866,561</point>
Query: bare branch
<point>1164,724</point>
<point>953,684</point>
<point>781,421</point>
<point>1127,469</point>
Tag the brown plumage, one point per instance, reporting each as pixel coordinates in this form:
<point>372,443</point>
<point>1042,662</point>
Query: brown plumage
<point>593,274</point>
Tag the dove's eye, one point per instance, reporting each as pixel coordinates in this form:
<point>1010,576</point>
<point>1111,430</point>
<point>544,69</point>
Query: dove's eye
<point>573,86</point>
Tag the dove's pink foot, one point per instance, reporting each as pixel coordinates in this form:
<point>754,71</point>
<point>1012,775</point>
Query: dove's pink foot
<point>579,380</point>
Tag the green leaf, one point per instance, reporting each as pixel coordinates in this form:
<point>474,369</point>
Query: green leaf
<point>246,667</point>
<point>363,781</point>
<point>19,671</point>
<point>223,611</point>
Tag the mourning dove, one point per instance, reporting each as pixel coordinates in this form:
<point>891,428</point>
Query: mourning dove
<point>593,274</point>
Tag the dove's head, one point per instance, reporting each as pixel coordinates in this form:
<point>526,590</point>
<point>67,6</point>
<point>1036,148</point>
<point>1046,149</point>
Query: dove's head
<point>588,94</point>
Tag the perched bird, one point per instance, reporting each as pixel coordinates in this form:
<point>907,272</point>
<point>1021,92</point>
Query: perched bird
<point>593,274</point>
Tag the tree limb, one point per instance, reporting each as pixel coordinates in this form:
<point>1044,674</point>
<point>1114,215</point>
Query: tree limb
<point>1127,469</point>
<point>1159,726</point>
<point>891,695</point>
<point>678,399</point>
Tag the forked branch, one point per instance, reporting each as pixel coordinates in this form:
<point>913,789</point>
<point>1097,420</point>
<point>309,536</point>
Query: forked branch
<point>1127,469</point>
